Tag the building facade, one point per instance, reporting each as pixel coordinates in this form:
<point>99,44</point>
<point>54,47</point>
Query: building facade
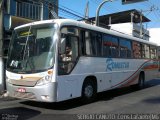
<point>128,22</point>
<point>132,29</point>
<point>17,12</point>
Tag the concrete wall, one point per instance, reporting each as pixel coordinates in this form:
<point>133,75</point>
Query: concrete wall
<point>155,35</point>
<point>123,27</point>
<point>131,29</point>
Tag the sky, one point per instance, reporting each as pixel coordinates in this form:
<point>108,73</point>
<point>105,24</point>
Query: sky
<point>111,7</point>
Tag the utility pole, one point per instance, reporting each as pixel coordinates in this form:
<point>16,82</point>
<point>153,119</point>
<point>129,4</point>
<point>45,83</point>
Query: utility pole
<point>141,25</point>
<point>98,9</point>
<point>152,8</point>
<point>86,13</point>
<point>2,82</point>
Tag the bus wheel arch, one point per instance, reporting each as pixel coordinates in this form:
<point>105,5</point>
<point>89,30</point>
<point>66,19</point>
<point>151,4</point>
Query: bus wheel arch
<point>89,89</point>
<point>141,80</point>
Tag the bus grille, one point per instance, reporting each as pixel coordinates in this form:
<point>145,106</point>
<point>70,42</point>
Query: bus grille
<point>24,82</point>
<point>26,95</point>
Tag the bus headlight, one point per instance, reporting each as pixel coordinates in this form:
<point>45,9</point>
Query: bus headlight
<point>45,80</point>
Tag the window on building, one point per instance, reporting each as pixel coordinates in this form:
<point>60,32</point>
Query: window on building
<point>5,7</point>
<point>28,10</point>
<point>110,46</point>
<point>125,48</point>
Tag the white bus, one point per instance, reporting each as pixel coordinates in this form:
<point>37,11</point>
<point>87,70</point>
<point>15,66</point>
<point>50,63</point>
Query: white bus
<point>61,59</point>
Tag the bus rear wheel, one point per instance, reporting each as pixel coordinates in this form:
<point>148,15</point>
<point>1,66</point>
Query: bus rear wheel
<point>89,91</point>
<point>141,82</point>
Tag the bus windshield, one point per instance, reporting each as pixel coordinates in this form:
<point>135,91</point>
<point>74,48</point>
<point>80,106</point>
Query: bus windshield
<point>32,49</point>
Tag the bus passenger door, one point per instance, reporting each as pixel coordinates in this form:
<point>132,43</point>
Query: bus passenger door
<point>68,55</point>
<point>67,59</point>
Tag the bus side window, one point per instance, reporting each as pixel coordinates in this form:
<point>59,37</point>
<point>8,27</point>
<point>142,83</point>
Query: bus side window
<point>137,50</point>
<point>153,52</point>
<point>88,43</point>
<point>82,43</point>
<point>110,46</point>
<point>145,51</point>
<point>91,43</point>
<point>125,48</point>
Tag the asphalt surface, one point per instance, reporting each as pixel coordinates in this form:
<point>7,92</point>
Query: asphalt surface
<point>114,104</point>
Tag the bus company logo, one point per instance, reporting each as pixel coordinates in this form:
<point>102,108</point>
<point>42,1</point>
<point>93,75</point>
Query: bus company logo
<point>111,65</point>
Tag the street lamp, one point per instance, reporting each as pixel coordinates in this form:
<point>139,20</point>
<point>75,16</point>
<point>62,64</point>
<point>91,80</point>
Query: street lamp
<point>98,9</point>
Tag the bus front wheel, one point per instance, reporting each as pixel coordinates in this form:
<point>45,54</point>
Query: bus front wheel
<point>89,91</point>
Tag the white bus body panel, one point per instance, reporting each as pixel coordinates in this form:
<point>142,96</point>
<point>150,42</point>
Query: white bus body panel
<point>34,92</point>
<point>70,86</point>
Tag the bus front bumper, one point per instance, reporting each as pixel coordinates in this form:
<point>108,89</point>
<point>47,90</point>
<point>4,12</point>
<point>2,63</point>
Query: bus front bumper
<point>43,93</point>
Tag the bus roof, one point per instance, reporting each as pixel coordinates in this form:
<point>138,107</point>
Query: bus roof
<point>81,24</point>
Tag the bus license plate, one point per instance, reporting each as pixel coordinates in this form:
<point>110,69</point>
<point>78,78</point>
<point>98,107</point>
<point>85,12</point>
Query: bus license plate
<point>22,90</point>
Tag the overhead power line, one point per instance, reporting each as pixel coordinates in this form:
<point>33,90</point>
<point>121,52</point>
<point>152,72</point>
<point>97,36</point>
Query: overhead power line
<point>65,10</point>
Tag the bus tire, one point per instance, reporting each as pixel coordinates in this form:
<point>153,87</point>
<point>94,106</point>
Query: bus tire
<point>89,91</point>
<point>141,81</point>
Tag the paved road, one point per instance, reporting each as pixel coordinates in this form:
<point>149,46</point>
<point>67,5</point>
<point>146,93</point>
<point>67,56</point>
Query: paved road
<point>120,101</point>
